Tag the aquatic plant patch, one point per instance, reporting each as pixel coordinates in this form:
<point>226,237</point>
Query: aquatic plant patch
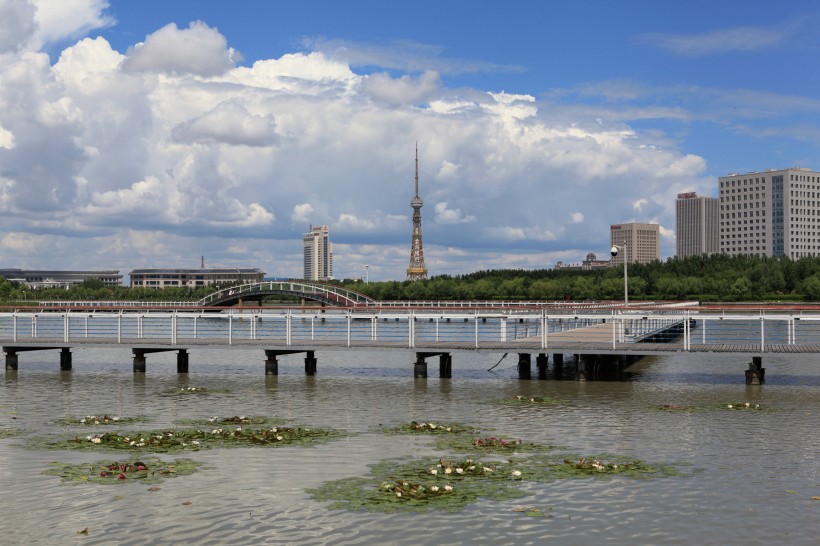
<point>420,485</point>
<point>430,484</point>
<point>173,440</point>
<point>8,433</point>
<point>234,420</point>
<point>745,406</point>
<point>148,471</point>
<point>430,427</point>
<point>103,419</point>
<point>182,391</point>
<point>554,467</point>
<point>530,400</point>
<point>676,407</point>
<point>490,444</point>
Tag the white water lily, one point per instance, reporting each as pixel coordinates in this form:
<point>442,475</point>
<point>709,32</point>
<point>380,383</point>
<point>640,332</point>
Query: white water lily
<point>433,471</point>
<point>195,442</point>
<point>82,420</point>
<point>448,487</point>
<point>238,429</point>
<point>88,437</point>
<point>96,441</point>
<point>487,469</point>
<point>516,474</point>
<point>448,470</point>
<point>132,442</point>
<point>279,438</point>
<point>459,471</point>
<point>471,467</point>
<point>433,488</point>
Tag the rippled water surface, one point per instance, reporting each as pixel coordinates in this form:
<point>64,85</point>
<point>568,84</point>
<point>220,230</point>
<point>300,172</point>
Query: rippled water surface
<point>755,472</point>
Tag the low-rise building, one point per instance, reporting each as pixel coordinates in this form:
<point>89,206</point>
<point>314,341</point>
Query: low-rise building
<point>36,278</point>
<point>192,278</point>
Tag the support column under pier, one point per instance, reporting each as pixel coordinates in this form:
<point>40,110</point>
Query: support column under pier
<point>445,366</point>
<point>558,365</point>
<point>310,363</point>
<point>524,366</point>
<point>541,362</point>
<point>11,360</point>
<point>271,364</point>
<point>581,365</point>
<point>139,361</point>
<point>182,361</point>
<point>420,367</point>
<point>756,373</point>
<point>65,359</point>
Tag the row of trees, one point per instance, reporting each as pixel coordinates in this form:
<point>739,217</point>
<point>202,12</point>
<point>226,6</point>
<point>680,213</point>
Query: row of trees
<point>706,278</point>
<point>718,277</point>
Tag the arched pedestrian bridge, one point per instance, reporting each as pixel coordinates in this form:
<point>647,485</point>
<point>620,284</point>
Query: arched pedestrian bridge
<point>324,293</point>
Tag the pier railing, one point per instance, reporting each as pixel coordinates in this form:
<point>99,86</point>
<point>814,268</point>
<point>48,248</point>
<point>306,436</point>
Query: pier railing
<point>669,330</point>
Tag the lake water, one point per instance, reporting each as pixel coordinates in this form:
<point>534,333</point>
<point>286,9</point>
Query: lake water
<point>752,478</point>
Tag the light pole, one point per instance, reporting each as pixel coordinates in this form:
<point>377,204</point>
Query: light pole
<point>367,274</point>
<point>614,251</point>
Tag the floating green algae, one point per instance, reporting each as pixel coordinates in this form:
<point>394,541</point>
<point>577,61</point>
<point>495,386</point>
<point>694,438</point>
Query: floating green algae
<point>148,471</point>
<point>676,408</point>
<point>9,433</point>
<point>174,440</point>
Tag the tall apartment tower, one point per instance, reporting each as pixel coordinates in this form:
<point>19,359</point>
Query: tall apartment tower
<point>416,270</point>
<point>697,222</point>
<point>318,254</point>
<point>639,243</point>
<point>772,213</point>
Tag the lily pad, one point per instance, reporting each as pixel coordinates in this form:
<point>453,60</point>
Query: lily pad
<point>233,420</point>
<point>104,419</point>
<point>174,440</point>
<point>745,406</point>
<point>147,471</point>
<point>490,444</point>
<point>430,427</point>
<point>676,408</point>
<point>412,486</point>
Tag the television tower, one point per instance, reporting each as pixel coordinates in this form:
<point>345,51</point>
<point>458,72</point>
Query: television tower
<point>416,271</point>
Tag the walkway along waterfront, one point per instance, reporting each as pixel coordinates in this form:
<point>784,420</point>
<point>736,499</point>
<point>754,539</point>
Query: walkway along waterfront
<point>595,338</point>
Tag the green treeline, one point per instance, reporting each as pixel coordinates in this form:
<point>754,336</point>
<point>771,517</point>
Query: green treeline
<point>718,277</point>
<point>704,278</point>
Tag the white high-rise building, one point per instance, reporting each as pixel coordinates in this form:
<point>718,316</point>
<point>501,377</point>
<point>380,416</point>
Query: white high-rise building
<point>697,221</point>
<point>772,213</point>
<point>318,254</point>
<point>639,243</point>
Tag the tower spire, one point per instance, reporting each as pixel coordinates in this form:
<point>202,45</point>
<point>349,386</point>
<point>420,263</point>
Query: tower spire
<point>416,270</point>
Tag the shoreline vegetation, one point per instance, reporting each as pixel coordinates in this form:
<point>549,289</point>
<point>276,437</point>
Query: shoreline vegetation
<point>716,278</point>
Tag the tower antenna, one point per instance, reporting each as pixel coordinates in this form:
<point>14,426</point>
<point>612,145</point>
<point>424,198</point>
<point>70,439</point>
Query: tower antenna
<point>416,270</point>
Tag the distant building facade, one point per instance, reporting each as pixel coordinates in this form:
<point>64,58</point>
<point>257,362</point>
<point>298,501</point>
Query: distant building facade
<point>192,278</point>
<point>318,254</point>
<point>35,278</point>
<point>639,243</point>
<point>591,262</point>
<point>772,213</point>
<point>697,223</point>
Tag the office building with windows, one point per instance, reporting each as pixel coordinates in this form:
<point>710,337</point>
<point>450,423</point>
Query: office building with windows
<point>638,243</point>
<point>772,213</point>
<point>318,254</point>
<point>697,221</point>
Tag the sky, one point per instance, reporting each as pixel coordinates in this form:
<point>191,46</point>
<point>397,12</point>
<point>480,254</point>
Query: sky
<point>154,133</point>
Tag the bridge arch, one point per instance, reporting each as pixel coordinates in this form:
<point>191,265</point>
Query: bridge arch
<point>324,293</point>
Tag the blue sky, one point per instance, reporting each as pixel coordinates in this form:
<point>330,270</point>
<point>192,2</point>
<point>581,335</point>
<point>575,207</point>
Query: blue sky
<point>147,134</point>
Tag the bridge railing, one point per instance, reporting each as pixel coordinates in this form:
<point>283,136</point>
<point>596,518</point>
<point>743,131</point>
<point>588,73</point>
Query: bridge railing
<point>485,329</point>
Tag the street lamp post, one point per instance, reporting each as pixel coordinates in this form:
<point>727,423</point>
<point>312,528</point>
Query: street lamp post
<point>614,251</point>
